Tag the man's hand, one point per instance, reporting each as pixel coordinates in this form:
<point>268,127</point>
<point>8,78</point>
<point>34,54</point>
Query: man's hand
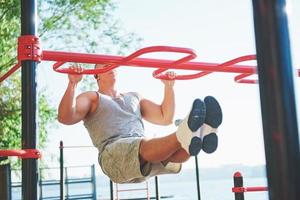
<point>171,75</point>
<point>75,78</point>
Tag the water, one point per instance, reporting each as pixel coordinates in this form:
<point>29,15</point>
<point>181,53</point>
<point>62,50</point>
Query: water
<point>178,187</point>
<point>187,190</point>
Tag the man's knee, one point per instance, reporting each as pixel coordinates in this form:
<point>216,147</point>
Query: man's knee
<point>144,153</point>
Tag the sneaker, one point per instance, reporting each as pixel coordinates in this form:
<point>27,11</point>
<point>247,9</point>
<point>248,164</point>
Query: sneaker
<point>213,120</point>
<point>187,133</point>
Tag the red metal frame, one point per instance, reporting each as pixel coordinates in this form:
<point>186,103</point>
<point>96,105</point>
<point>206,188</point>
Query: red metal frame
<point>239,189</point>
<point>115,61</point>
<point>29,49</point>
<point>249,189</point>
<point>10,72</point>
<point>22,153</point>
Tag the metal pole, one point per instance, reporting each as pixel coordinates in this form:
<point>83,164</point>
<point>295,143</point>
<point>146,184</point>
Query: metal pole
<point>29,136</point>
<point>66,183</point>
<point>197,178</point>
<point>5,189</point>
<point>61,170</point>
<point>277,99</point>
<point>238,182</point>
<point>157,188</point>
<point>94,182</point>
<point>41,186</point>
<point>111,190</point>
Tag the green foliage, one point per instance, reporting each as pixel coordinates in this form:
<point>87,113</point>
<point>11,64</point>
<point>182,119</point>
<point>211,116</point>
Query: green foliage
<point>63,25</point>
<point>9,32</point>
<point>10,118</point>
<point>10,109</point>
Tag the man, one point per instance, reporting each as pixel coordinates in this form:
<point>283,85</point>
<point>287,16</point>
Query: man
<point>114,123</point>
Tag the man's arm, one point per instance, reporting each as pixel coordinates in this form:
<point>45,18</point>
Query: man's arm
<point>161,114</point>
<point>71,110</point>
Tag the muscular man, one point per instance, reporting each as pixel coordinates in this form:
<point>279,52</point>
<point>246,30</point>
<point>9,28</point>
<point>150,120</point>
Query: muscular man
<point>114,122</point>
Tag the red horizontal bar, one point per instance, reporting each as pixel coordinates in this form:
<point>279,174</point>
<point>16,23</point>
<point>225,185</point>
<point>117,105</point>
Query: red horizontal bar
<point>254,189</point>
<point>22,153</point>
<point>248,189</point>
<point>63,57</point>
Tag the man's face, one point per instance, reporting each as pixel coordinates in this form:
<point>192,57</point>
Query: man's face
<point>109,76</point>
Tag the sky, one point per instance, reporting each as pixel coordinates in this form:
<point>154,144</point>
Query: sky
<point>218,31</point>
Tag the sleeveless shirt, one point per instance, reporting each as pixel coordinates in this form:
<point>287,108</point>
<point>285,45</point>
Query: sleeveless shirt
<point>115,118</point>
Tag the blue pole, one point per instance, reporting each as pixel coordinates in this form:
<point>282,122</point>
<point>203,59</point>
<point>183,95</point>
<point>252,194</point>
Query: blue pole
<point>197,178</point>
<point>29,136</point>
<point>157,188</point>
<point>94,182</point>
<point>111,186</point>
<point>5,175</point>
<point>61,170</point>
<point>277,95</point>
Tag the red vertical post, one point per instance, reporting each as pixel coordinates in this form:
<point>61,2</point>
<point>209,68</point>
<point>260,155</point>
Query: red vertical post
<point>238,183</point>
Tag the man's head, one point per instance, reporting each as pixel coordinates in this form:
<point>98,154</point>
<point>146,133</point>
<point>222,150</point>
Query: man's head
<point>107,77</point>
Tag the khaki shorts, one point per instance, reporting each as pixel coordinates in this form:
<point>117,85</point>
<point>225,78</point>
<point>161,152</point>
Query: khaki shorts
<point>120,162</point>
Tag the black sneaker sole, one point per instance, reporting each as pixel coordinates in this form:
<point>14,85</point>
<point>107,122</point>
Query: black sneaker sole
<point>195,121</point>
<point>210,143</point>
<point>195,146</point>
<point>214,119</point>
<point>213,112</point>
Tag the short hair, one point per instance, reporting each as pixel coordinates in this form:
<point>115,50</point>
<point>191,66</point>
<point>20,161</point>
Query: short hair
<point>95,66</point>
<point>95,75</point>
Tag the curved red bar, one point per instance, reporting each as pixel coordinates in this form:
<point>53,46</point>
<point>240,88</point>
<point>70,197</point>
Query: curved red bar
<point>124,61</point>
<point>241,79</point>
<point>22,153</point>
<point>222,66</point>
<point>62,57</point>
<point>157,73</point>
<point>106,68</point>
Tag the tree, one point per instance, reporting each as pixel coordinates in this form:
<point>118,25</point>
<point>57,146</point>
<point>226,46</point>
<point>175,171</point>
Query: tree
<point>63,23</point>
<point>10,118</point>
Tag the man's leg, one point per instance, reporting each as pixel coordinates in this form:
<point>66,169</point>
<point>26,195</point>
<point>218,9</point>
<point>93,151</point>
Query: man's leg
<point>179,156</point>
<point>186,137</point>
<point>166,149</point>
<point>159,149</point>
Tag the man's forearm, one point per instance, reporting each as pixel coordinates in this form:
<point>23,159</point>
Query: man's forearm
<point>168,104</point>
<point>67,105</point>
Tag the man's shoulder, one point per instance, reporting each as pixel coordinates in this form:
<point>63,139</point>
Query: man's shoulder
<point>88,94</point>
<point>135,94</point>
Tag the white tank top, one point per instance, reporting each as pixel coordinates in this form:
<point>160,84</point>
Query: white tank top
<point>115,118</point>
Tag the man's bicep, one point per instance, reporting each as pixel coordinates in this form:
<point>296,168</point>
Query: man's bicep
<point>151,111</point>
<point>83,106</point>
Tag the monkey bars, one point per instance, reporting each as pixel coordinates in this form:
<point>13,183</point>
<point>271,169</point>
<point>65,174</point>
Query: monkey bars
<point>29,49</point>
